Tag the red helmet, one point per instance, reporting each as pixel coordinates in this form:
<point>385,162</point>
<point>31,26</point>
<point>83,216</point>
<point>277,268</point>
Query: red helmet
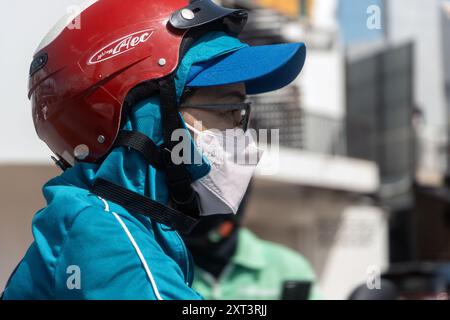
<point>81,75</point>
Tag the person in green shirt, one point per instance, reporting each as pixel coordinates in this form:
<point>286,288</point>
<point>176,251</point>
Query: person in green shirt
<point>231,263</point>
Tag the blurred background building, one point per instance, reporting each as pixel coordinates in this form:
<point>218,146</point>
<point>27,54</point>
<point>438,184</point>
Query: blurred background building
<point>362,168</point>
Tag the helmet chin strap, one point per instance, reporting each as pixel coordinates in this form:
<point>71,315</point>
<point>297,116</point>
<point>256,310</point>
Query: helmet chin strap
<point>185,212</point>
<point>179,181</point>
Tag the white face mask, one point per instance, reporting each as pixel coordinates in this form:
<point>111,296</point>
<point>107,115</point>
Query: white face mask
<point>234,156</point>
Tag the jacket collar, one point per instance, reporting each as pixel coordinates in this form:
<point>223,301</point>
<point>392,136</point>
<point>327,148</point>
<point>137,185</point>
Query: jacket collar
<point>249,252</point>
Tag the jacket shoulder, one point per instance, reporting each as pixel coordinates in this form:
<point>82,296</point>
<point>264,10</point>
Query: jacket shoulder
<point>115,257</point>
<point>292,262</point>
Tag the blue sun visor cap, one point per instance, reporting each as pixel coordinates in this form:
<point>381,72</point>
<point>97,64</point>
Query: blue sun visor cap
<point>261,68</point>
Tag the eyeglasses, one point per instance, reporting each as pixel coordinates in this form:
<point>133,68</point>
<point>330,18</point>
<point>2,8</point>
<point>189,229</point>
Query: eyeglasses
<point>244,108</point>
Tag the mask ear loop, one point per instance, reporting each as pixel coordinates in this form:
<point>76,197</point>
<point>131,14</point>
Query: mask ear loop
<point>193,129</point>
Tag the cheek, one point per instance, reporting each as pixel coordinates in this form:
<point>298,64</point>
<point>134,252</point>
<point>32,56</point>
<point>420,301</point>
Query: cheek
<point>217,120</point>
<point>237,117</point>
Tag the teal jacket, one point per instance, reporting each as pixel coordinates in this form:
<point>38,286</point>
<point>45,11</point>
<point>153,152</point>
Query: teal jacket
<point>88,248</point>
<point>82,251</point>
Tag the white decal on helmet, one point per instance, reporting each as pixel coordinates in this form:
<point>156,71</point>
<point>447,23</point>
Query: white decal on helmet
<point>121,46</point>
